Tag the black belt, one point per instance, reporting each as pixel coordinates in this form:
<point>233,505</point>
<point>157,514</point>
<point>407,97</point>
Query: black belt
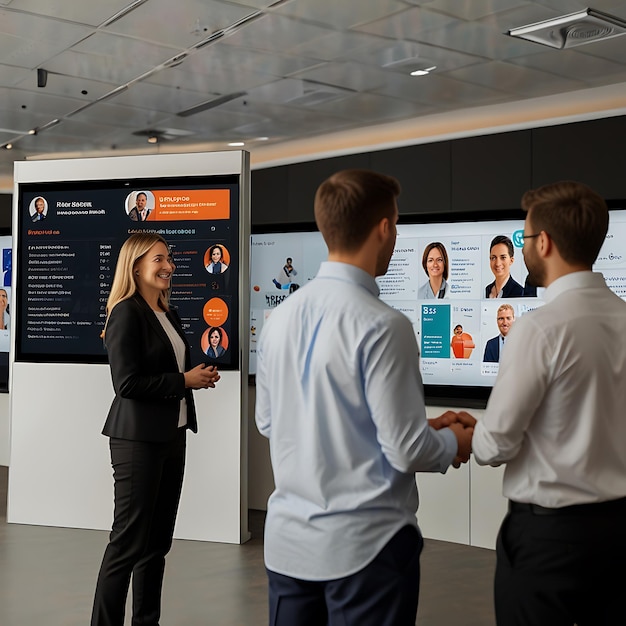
<point>609,506</point>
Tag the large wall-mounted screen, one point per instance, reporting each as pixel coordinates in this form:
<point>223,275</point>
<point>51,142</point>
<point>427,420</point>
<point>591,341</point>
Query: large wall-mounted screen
<point>460,328</point>
<point>71,234</point>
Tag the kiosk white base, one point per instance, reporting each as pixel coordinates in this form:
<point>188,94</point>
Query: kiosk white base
<point>60,467</point>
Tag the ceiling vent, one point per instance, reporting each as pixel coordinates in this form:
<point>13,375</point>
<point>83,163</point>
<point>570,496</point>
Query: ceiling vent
<point>574,29</point>
<point>313,94</point>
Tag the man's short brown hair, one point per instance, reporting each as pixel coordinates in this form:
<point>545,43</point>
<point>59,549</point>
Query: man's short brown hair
<point>350,203</point>
<point>575,217</point>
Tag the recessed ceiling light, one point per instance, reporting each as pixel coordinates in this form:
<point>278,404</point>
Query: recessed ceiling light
<point>236,144</point>
<point>153,139</point>
<point>424,72</point>
<point>262,139</point>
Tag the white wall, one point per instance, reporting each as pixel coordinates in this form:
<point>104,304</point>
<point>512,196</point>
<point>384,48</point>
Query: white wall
<point>5,430</point>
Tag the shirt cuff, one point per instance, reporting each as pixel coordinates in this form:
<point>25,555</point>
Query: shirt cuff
<point>451,448</point>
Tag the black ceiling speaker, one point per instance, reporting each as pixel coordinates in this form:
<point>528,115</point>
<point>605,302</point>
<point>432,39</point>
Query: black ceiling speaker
<point>42,77</point>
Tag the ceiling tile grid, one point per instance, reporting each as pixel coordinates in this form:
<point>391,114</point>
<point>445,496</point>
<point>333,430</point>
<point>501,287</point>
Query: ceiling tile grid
<point>202,73</point>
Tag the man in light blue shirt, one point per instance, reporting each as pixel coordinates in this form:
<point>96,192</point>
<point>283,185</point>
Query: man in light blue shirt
<point>340,396</point>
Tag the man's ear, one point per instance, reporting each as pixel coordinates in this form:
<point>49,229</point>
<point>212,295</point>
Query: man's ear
<point>545,245</point>
<point>383,227</point>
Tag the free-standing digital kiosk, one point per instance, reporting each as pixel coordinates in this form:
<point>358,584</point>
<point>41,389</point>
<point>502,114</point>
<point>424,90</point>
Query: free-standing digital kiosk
<point>70,220</point>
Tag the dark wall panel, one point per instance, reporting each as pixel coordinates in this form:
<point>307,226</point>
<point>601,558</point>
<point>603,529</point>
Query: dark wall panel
<point>490,172</point>
<point>305,178</point>
<point>268,195</point>
<point>6,204</point>
<point>423,172</point>
<point>589,152</point>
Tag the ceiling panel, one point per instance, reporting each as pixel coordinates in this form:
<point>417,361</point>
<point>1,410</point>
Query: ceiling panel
<point>53,106</point>
<point>340,15</point>
<point>91,13</point>
<point>121,47</point>
<point>163,21</point>
<point>28,40</point>
<point>478,39</point>
<point>159,98</point>
<point>223,56</point>
<point>94,67</point>
<point>615,7</point>
<point>277,33</point>
<point>337,45</point>
<point>11,76</point>
<point>66,86</point>
<point>219,80</point>
<point>471,10</point>
<point>511,78</point>
<point>371,107</point>
<point>575,64</point>
<point>405,56</point>
<point>410,24</point>
<point>118,115</point>
<point>348,75</point>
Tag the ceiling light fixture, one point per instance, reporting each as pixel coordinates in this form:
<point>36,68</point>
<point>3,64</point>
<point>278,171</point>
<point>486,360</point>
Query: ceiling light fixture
<point>8,146</point>
<point>573,29</point>
<point>211,104</point>
<point>153,139</point>
<point>424,72</point>
<point>236,144</point>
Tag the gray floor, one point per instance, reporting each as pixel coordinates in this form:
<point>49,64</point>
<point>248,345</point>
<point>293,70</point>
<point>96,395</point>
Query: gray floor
<point>47,577</point>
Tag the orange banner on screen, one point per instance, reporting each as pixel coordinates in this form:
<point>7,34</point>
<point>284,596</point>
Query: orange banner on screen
<point>194,204</point>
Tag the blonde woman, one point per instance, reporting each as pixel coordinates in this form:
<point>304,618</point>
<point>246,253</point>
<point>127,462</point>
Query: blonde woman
<point>151,412</point>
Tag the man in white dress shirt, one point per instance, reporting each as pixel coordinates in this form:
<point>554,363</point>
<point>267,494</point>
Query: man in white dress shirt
<point>556,418</point>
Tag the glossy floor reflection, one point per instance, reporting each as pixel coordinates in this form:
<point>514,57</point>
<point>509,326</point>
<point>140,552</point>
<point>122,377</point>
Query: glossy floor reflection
<point>47,576</point>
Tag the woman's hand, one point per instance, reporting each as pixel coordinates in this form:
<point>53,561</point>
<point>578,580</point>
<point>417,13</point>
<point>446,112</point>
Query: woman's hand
<point>201,377</point>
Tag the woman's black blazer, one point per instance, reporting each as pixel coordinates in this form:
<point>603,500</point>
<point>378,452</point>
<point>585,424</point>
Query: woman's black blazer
<point>148,386</point>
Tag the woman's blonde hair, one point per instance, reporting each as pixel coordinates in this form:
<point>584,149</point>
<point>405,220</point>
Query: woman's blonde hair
<point>124,285</point>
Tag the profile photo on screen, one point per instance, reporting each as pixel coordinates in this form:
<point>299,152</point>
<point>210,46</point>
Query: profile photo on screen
<point>38,209</point>
<point>5,318</point>
<point>436,265</point>
<point>505,318</point>
<point>215,342</point>
<point>140,205</point>
<point>462,343</point>
<point>501,258</point>
<point>216,259</point>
